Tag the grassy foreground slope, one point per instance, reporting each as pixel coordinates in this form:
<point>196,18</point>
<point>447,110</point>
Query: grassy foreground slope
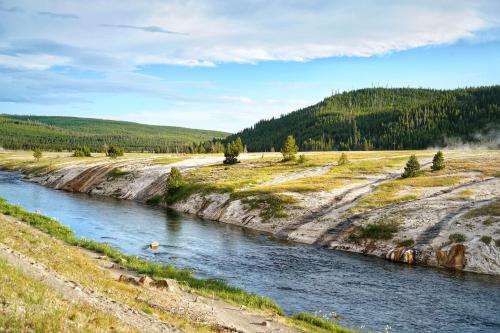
<point>380,118</point>
<point>193,306</point>
<point>62,133</point>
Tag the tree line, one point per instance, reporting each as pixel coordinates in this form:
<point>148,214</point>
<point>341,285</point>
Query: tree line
<point>381,118</point>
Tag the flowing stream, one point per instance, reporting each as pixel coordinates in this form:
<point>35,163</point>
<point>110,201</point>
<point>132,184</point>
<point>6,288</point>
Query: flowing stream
<point>366,292</point>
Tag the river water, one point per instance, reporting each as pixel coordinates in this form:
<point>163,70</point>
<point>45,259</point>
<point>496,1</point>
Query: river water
<point>367,292</point>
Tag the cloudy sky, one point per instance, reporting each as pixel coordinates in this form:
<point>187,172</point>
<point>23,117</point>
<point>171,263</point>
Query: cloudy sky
<point>226,64</point>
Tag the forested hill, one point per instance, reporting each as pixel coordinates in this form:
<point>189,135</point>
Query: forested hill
<point>381,118</point>
<point>66,133</point>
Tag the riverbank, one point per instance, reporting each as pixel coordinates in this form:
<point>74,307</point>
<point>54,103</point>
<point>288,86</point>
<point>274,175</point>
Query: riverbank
<point>446,218</point>
<point>100,283</point>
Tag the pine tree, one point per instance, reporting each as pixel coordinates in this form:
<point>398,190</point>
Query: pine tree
<point>438,162</point>
<point>232,150</point>
<point>343,159</point>
<point>412,167</point>
<point>37,154</point>
<point>289,149</point>
<point>174,181</point>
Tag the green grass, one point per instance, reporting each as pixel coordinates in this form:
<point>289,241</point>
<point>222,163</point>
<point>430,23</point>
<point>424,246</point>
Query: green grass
<point>406,243</point>
<point>457,238</point>
<point>486,240</point>
<point>315,324</point>
<point>491,209</point>
<point>271,205</point>
<point>379,231</point>
<point>117,173</point>
<point>168,160</point>
<point>155,270</point>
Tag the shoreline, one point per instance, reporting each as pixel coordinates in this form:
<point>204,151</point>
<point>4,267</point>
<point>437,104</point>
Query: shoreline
<point>144,180</point>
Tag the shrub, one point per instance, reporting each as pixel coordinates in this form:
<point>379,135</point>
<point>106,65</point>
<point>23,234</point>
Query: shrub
<point>114,151</point>
<point>174,181</point>
<point>302,159</point>
<point>343,159</point>
<point>232,151</point>
<point>379,231</point>
<point>457,238</point>
<point>37,154</point>
<point>82,152</point>
<point>438,162</point>
<point>406,243</point>
<point>289,149</point>
<point>486,240</point>
<point>412,167</point>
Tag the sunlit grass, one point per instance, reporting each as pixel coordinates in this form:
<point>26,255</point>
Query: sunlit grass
<point>31,306</point>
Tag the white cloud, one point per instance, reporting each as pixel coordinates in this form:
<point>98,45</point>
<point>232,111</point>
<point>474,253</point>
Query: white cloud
<point>246,31</point>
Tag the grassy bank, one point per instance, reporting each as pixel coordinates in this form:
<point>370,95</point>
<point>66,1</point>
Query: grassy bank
<point>44,310</point>
<point>155,270</point>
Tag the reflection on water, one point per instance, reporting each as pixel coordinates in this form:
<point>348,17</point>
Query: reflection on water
<point>364,290</point>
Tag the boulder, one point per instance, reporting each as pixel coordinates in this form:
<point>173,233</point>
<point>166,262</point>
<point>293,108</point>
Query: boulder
<point>128,279</point>
<point>453,258</point>
<point>165,284</point>
<point>154,245</point>
<point>145,281</point>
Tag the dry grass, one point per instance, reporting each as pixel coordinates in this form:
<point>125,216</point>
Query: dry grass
<point>31,306</point>
<point>73,264</point>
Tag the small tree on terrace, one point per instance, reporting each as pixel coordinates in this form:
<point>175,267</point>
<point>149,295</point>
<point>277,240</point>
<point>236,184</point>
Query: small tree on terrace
<point>232,151</point>
<point>343,159</point>
<point>37,154</point>
<point>412,167</point>
<point>114,151</point>
<point>174,181</point>
<point>289,149</point>
<point>438,162</point>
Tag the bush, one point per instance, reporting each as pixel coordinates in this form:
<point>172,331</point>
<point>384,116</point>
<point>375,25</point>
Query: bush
<point>343,159</point>
<point>486,240</point>
<point>302,159</point>
<point>37,154</point>
<point>114,151</point>
<point>438,162</point>
<point>412,167</point>
<point>174,181</point>
<point>379,231</point>
<point>289,149</point>
<point>406,243</point>
<point>457,238</point>
<point>82,152</point>
<point>232,151</point>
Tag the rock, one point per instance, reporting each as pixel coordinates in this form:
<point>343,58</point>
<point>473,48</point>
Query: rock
<point>145,280</point>
<point>168,284</point>
<point>266,323</point>
<point>453,258</point>
<point>154,245</point>
<point>129,279</point>
<point>401,254</point>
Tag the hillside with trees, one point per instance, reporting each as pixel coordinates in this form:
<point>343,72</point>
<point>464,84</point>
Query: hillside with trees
<point>382,118</point>
<point>69,133</point>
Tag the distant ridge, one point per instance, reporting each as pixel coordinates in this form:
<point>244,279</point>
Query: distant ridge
<point>63,133</point>
<point>384,118</point>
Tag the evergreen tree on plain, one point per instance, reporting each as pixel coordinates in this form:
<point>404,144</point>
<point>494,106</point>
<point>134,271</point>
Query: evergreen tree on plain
<point>343,159</point>
<point>37,154</point>
<point>174,181</point>
<point>438,162</point>
<point>289,149</point>
<point>412,167</point>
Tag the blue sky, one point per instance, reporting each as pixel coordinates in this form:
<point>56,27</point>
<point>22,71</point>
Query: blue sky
<point>226,64</point>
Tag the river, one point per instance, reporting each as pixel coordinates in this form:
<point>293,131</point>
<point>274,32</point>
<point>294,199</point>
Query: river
<point>367,292</point>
